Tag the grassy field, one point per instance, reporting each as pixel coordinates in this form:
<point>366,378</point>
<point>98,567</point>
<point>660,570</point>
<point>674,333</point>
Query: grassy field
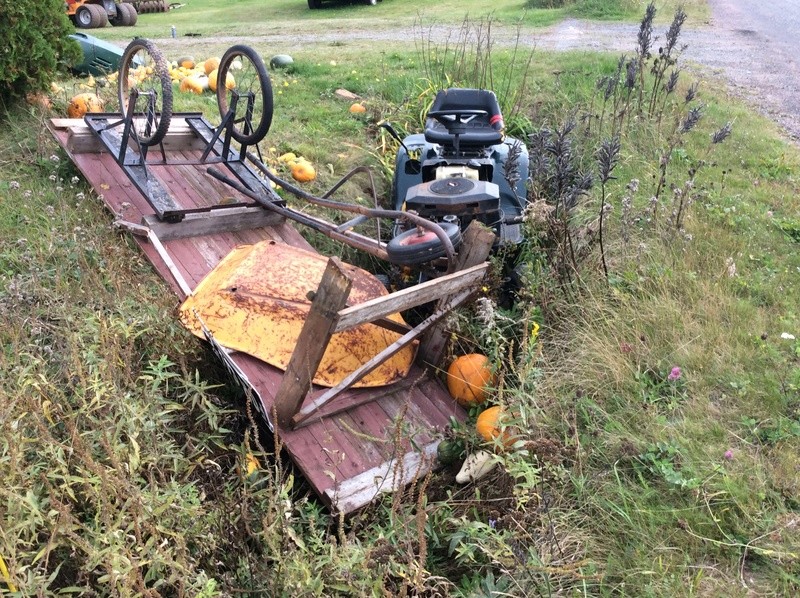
<point>226,18</point>
<point>655,381</point>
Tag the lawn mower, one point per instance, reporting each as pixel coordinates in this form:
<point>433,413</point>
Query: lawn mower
<point>462,168</point>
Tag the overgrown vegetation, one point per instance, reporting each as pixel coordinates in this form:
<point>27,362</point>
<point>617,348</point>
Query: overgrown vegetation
<point>35,47</point>
<point>654,376</point>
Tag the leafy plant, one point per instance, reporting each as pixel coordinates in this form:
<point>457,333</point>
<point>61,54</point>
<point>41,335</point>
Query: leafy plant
<point>36,47</point>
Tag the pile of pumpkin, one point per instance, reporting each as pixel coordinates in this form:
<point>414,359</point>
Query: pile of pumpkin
<point>468,379</point>
<point>197,77</point>
<point>300,168</point>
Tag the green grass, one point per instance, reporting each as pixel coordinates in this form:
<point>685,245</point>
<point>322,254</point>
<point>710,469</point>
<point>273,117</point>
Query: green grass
<point>124,469</point>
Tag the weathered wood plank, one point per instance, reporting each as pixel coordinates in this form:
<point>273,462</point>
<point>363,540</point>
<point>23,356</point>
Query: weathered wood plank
<point>432,290</point>
<point>387,477</point>
<point>331,295</point>
<point>215,221</point>
<point>81,140</point>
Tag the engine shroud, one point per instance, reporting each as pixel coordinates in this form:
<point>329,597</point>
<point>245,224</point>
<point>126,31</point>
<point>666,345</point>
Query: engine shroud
<point>459,196</point>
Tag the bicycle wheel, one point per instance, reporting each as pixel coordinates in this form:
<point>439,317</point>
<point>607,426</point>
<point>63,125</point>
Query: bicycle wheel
<point>243,76</point>
<point>144,75</point>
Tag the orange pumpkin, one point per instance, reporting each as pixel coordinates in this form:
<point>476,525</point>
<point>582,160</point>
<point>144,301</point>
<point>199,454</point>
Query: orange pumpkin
<point>303,172</point>
<point>212,64</point>
<point>490,423</point>
<point>357,108</point>
<point>467,379</point>
<point>83,103</point>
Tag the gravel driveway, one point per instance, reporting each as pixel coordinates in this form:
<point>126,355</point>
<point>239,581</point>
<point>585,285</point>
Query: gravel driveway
<point>748,43</point>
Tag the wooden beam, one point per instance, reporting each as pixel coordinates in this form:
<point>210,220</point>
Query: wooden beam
<point>475,249</point>
<point>432,290</point>
<point>318,328</point>
<point>81,139</point>
<point>221,220</point>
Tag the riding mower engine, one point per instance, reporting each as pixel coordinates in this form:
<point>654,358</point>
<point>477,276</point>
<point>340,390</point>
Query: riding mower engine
<point>462,168</point>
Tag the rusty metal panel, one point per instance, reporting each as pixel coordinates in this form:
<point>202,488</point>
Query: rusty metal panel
<point>256,301</point>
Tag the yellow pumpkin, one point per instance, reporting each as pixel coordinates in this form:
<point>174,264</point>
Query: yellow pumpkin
<point>467,379</point>
<point>83,103</point>
<point>212,64</point>
<point>357,108</point>
<point>490,423</point>
<point>194,84</point>
<point>303,171</point>
<point>230,82</point>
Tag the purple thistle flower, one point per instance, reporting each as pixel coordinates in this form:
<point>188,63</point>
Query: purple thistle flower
<point>674,374</point>
<point>728,455</point>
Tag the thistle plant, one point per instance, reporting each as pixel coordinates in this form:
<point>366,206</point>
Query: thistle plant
<point>607,159</point>
<point>683,126</point>
<point>644,43</point>
<point>557,177</point>
<point>684,197</point>
<point>667,57</point>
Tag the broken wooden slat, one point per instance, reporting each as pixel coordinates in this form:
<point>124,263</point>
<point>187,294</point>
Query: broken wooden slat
<point>410,297</point>
<point>387,477</point>
<point>318,328</point>
<point>212,222</point>
<point>309,409</point>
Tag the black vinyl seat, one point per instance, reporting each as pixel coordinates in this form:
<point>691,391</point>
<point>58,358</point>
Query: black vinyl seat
<point>469,131</point>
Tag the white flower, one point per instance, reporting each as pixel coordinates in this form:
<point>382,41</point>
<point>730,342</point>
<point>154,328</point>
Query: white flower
<point>13,185</point>
<point>54,158</point>
<point>731,267</point>
<point>787,336</point>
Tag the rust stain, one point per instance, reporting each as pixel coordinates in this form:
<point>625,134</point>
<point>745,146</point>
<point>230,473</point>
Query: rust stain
<point>255,301</point>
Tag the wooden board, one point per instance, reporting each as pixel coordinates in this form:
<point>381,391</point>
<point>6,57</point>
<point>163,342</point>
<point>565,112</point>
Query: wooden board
<point>348,458</point>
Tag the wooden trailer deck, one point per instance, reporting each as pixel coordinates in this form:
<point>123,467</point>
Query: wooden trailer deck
<point>348,457</point>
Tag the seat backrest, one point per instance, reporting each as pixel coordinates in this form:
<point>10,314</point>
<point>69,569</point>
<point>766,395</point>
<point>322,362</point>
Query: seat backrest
<point>479,131</point>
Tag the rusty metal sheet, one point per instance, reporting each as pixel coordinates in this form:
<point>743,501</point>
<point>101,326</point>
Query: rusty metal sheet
<point>256,301</point>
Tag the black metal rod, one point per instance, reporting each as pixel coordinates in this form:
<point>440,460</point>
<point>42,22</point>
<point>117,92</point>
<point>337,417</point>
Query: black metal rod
<point>365,244</point>
<point>410,217</point>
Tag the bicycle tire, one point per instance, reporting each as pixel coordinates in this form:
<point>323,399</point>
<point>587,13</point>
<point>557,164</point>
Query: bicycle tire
<point>251,67</point>
<point>150,124</point>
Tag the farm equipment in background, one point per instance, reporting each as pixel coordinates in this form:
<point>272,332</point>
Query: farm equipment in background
<point>312,4</point>
<point>94,14</point>
<point>150,6</point>
<point>100,58</point>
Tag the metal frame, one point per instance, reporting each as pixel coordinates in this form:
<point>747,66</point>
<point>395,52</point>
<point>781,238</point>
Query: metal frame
<point>217,151</point>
